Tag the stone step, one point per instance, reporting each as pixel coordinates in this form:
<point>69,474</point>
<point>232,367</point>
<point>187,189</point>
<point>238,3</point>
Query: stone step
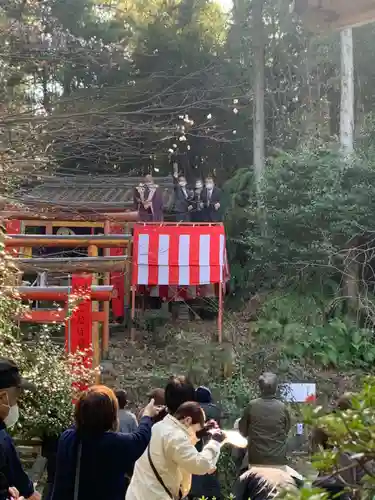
<point>184,312</point>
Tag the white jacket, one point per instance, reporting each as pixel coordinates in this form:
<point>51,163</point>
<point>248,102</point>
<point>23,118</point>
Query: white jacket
<point>175,458</point>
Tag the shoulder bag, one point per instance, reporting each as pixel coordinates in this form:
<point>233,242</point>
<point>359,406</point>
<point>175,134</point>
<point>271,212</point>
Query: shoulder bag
<point>78,471</point>
<point>158,477</point>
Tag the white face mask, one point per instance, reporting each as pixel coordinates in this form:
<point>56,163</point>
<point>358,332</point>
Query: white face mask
<point>182,183</point>
<point>198,187</point>
<point>209,185</point>
<point>12,418</point>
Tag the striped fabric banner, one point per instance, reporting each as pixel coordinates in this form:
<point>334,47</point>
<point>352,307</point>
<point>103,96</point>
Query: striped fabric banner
<point>178,293</point>
<point>179,255</point>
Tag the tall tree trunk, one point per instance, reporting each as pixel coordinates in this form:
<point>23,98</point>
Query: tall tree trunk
<point>347,92</point>
<point>351,270</point>
<point>259,119</point>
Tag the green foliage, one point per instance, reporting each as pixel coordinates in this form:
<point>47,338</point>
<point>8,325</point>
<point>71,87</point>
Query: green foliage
<point>294,306</point>
<point>300,325</point>
<point>335,344</point>
<point>237,193</point>
<point>350,432</point>
<point>318,210</point>
<point>49,410</point>
<point>226,472</point>
<point>233,395</point>
<point>152,321</point>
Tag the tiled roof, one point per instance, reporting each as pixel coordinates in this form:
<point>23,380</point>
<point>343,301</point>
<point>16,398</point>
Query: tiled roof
<point>88,192</point>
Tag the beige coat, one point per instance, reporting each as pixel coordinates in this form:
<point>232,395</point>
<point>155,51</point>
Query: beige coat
<point>175,458</point>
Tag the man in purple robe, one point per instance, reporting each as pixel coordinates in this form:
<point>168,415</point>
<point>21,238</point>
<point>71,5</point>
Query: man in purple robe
<point>148,200</point>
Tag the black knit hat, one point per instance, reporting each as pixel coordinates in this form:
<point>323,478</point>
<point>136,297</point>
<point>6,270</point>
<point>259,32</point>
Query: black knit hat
<point>10,376</point>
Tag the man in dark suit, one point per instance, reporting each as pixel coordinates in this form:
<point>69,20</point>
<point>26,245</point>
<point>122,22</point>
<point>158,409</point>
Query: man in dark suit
<point>182,199</point>
<point>211,197</point>
<point>197,214</point>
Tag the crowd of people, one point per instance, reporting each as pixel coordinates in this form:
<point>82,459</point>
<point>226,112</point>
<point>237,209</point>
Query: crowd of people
<point>200,202</point>
<point>170,450</point>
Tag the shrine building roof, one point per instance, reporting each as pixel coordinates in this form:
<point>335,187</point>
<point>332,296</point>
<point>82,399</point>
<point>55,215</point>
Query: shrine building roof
<point>85,192</point>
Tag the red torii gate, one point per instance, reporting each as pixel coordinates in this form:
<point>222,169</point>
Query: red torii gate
<point>77,314</point>
<point>82,324</point>
<point>115,223</point>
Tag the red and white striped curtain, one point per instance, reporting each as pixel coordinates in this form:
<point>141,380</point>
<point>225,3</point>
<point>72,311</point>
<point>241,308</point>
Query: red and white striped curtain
<point>179,255</point>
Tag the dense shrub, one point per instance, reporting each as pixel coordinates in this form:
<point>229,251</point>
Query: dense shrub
<point>351,432</point>
<point>319,211</point>
<point>334,344</point>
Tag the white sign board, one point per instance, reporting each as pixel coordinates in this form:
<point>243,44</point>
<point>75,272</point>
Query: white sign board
<point>298,392</point>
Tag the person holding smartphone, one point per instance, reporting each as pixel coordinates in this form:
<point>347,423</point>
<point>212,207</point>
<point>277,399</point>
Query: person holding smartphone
<point>166,467</point>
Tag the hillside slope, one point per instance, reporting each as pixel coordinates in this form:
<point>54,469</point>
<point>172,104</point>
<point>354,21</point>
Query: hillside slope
<point>188,348</point>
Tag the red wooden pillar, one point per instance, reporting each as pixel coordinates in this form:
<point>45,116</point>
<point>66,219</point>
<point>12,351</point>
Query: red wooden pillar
<point>117,278</point>
<point>13,226</point>
<point>78,330</point>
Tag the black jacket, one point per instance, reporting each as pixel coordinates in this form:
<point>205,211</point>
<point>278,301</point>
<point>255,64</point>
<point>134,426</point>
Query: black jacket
<point>182,199</point>
<point>210,214</point>
<point>11,469</point>
<point>207,486</point>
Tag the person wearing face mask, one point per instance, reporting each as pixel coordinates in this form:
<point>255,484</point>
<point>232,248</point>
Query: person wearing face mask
<point>211,197</point>
<point>11,470</point>
<point>148,200</point>
<point>165,469</point>
<point>182,199</point>
<point>197,202</point>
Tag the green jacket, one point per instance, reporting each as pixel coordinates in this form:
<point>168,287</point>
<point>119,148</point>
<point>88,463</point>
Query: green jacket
<point>266,424</point>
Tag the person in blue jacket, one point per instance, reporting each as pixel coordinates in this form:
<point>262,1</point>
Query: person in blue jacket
<point>93,460</point>
<point>12,473</point>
